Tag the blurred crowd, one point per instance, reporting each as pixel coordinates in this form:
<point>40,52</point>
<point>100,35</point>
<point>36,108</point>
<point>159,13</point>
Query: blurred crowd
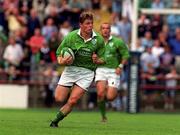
<point>159,45</point>
<point>31,31</point>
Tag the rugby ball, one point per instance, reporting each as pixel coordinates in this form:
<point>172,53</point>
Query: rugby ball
<point>66,52</point>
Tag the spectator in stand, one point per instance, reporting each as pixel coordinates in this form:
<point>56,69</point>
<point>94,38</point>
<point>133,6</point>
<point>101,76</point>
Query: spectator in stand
<point>157,50</point>
<point>139,47</point>
<point>35,43</point>
<point>39,6</point>
<point>45,54</point>
<point>51,7</point>
<point>48,29</point>
<point>147,40</point>
<point>173,22</point>
<point>76,8</point>
<point>157,4</point>
<point>116,8</point>
<point>65,28</point>
<point>149,60</point>
<point>13,56</point>
<point>33,22</point>
<point>15,20</point>
<point>13,53</point>
<point>163,39</point>
<point>143,25</point>
<point>124,27</point>
<point>167,59</point>
<point>171,84</point>
<point>156,25</point>
<point>53,45</point>
<point>127,9</point>
<point>175,46</point>
<point>150,77</point>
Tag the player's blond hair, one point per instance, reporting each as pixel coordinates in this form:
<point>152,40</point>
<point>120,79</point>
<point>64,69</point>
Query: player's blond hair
<point>85,15</point>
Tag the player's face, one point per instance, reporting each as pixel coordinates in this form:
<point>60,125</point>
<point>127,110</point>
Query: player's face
<point>105,30</point>
<point>87,26</point>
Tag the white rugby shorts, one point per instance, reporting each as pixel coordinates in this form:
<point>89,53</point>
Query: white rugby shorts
<point>109,75</point>
<point>76,75</point>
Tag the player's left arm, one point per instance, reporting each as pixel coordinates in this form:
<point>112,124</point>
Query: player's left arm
<point>124,53</point>
<point>98,56</point>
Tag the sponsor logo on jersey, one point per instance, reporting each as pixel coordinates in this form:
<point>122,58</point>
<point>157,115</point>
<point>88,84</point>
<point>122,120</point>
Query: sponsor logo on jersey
<point>94,41</point>
<point>111,44</point>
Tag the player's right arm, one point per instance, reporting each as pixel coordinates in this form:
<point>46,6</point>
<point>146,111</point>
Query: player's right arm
<point>63,60</point>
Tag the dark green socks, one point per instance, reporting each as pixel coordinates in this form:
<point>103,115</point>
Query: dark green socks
<point>102,108</point>
<point>59,117</point>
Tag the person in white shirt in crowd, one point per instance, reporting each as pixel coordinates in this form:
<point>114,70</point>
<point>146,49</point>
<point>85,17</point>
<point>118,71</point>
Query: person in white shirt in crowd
<point>149,59</point>
<point>157,50</point>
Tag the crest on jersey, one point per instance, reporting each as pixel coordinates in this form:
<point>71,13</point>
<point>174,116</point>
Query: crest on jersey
<point>94,41</point>
<point>111,44</point>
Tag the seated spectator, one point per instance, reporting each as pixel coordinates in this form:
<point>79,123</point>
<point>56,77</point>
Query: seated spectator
<point>167,59</point>
<point>157,4</point>
<point>156,25</point>
<point>139,47</point>
<point>13,56</point>
<point>124,27</point>
<point>171,84</point>
<point>147,41</point>
<point>175,46</point>
<point>49,28</point>
<point>13,53</point>
<point>33,22</point>
<point>148,59</point>
<point>157,50</point>
<point>150,77</point>
<point>143,25</point>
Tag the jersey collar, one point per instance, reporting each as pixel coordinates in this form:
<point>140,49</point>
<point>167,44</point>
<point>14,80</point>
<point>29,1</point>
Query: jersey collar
<point>93,35</point>
<point>110,38</point>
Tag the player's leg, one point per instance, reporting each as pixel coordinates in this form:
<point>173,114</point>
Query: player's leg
<point>76,94</point>
<point>101,92</point>
<point>111,93</point>
<point>61,95</point>
<point>113,85</point>
<point>101,83</point>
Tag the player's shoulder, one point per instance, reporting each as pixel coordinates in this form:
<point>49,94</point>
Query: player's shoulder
<point>118,40</point>
<point>98,36</point>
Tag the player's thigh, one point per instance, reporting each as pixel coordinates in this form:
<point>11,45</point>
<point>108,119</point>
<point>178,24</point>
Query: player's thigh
<point>61,93</point>
<point>111,93</point>
<point>76,93</point>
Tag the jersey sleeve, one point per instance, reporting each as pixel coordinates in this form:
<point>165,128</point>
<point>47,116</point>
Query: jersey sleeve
<point>123,49</point>
<point>63,44</point>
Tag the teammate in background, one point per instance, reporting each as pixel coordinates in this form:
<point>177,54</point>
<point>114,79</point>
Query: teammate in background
<point>108,75</point>
<point>88,47</point>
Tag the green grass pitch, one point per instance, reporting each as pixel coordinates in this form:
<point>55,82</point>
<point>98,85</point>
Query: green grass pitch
<point>36,122</point>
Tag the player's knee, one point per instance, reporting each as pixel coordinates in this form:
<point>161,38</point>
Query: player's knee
<point>100,94</point>
<point>59,98</point>
<point>72,101</point>
<point>111,97</point>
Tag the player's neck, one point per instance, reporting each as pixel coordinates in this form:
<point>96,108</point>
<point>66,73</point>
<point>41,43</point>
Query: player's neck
<point>86,35</point>
<point>106,39</point>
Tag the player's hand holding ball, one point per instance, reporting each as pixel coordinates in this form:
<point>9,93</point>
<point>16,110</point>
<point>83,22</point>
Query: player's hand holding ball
<point>66,57</point>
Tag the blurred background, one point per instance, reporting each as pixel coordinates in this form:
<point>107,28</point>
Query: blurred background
<point>31,31</point>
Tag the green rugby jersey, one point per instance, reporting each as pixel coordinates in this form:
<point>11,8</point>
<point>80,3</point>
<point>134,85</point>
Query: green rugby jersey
<point>115,50</point>
<point>83,50</point>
